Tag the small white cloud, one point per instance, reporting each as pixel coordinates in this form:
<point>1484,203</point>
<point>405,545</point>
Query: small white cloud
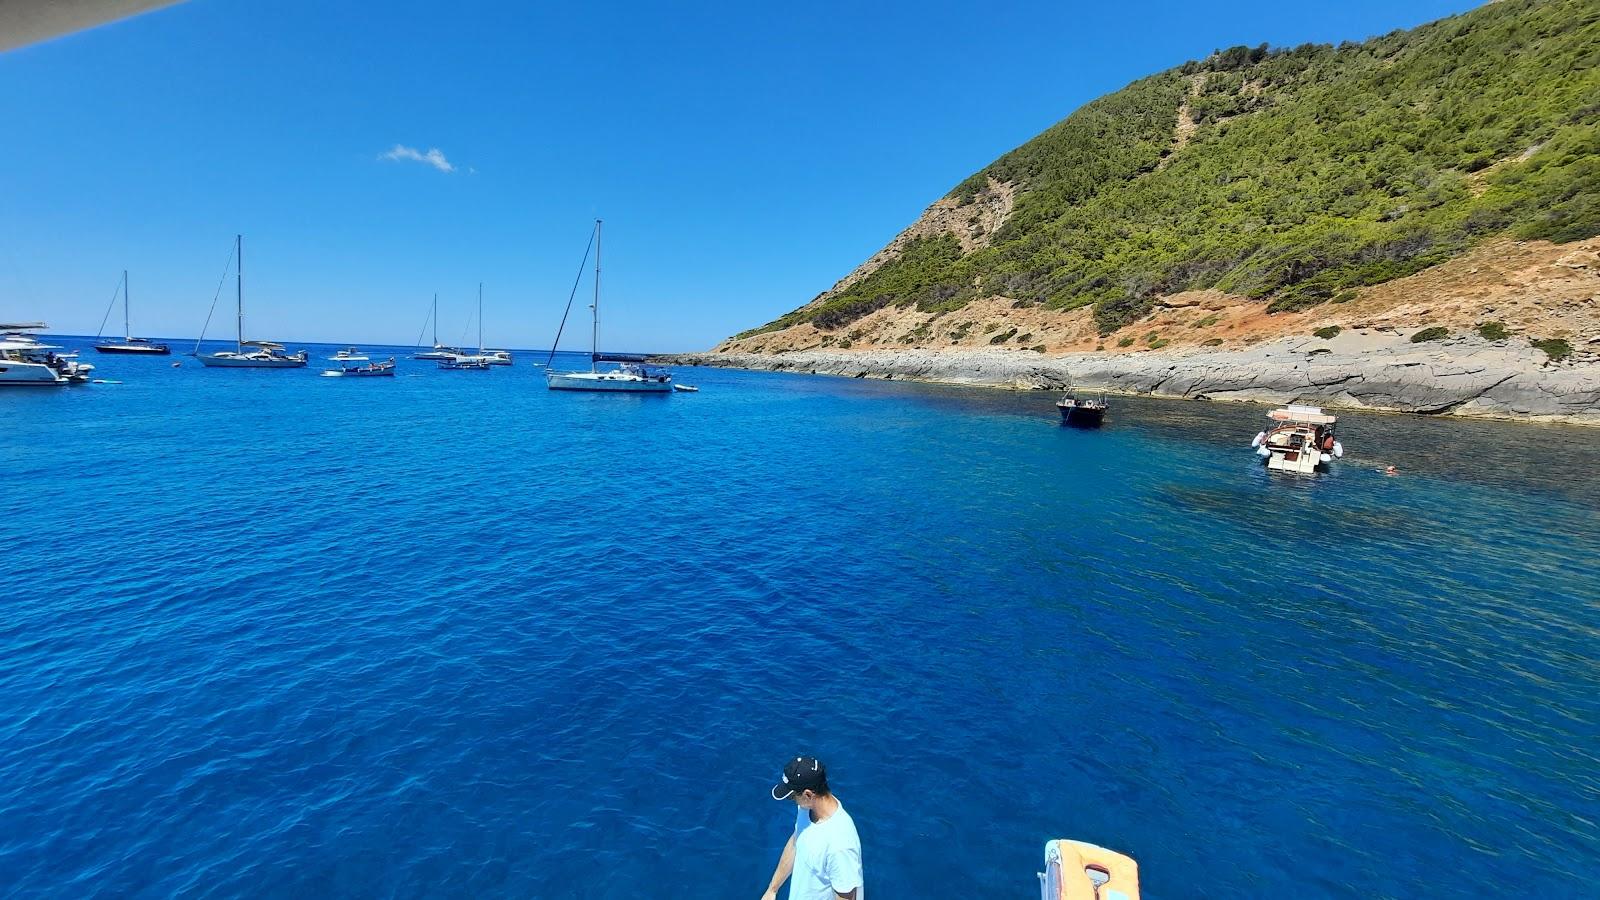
<point>434,157</point>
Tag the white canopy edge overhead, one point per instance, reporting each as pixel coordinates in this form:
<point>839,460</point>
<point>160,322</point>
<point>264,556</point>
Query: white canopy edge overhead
<point>1309,415</point>
<point>24,22</point>
<point>22,326</point>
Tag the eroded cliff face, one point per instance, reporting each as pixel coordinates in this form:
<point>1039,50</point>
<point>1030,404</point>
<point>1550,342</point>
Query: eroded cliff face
<point>973,223</point>
<point>1533,289</point>
<point>1369,369</point>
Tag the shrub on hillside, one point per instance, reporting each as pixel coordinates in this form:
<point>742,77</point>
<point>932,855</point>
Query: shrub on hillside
<point>1493,331</point>
<point>1333,169</point>
<point>1555,348</point>
<point>1438,332</point>
<point>1328,332</point>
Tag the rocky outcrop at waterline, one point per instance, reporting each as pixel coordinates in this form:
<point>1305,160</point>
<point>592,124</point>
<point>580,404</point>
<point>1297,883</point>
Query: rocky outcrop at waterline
<point>1462,376</point>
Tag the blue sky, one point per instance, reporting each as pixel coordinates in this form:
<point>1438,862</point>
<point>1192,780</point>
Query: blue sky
<point>744,155</point>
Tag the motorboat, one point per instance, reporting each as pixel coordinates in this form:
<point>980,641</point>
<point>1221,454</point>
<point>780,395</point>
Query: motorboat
<point>349,354</point>
<point>1076,870</point>
<point>497,357</point>
<point>380,369</point>
<point>1300,439</point>
<point>262,354</point>
<point>130,344</point>
<point>465,362</point>
<point>30,364</point>
<point>1082,410</point>
<point>27,362</point>
<point>633,373</point>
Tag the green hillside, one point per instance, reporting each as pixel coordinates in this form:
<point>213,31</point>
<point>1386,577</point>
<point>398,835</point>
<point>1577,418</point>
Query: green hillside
<point>1308,171</point>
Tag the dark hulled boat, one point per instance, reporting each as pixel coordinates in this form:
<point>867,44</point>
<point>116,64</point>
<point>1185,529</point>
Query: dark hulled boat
<point>135,345</point>
<point>1082,411</point>
<point>130,344</point>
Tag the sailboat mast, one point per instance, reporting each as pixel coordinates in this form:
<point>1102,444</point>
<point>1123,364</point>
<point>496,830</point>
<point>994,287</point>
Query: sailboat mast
<point>436,320</point>
<point>594,341</point>
<point>127,331</point>
<point>480,318</point>
<point>238,252</point>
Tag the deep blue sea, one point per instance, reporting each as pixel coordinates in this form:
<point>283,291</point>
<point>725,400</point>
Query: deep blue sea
<point>452,634</point>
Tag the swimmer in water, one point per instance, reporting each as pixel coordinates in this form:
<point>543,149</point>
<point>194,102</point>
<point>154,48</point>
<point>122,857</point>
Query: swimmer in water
<point>1391,470</point>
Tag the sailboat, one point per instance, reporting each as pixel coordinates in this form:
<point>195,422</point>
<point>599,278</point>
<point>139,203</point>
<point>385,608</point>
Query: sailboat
<point>474,361</point>
<point>492,357</point>
<point>266,355</point>
<point>631,375</point>
<point>130,344</point>
<point>439,350</point>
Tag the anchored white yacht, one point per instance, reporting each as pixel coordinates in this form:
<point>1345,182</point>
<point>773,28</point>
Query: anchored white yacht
<point>633,375</point>
<point>483,359</point>
<point>26,362</point>
<point>264,354</point>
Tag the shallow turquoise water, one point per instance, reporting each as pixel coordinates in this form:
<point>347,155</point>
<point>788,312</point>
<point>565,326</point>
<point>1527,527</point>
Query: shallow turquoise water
<point>453,634</point>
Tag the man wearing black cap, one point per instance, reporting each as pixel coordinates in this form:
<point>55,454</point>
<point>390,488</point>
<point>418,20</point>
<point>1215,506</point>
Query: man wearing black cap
<point>824,853</point>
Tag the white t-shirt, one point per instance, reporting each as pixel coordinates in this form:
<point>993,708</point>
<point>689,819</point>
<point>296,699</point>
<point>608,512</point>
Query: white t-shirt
<point>827,857</point>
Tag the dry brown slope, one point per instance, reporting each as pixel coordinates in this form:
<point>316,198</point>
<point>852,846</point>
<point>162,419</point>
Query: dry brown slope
<point>1535,288</point>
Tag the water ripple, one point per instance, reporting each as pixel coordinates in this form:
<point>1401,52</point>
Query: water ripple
<point>270,634</point>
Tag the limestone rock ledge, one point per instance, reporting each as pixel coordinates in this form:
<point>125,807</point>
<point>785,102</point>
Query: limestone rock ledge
<point>1462,377</point>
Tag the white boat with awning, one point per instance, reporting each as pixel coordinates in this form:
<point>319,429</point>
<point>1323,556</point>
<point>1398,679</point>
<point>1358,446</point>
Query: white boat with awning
<point>1300,439</point>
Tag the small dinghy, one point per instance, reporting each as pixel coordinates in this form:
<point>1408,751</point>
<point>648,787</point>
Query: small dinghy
<point>372,370</point>
<point>687,389</point>
<point>1074,870</point>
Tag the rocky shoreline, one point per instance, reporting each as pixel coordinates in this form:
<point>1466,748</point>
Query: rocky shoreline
<point>1461,376</point>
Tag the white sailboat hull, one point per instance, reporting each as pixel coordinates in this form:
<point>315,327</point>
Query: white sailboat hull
<point>608,381</point>
<point>235,361</point>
